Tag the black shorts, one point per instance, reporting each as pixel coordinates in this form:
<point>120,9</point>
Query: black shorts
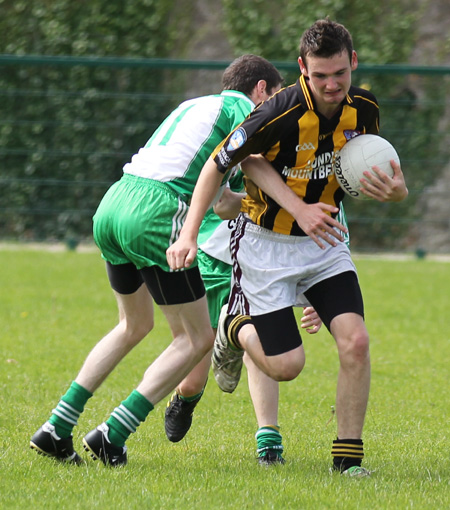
<point>166,288</point>
<point>278,331</point>
<point>336,295</point>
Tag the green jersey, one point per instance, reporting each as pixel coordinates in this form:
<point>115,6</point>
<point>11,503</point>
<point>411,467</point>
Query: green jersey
<point>179,148</point>
<point>142,214</point>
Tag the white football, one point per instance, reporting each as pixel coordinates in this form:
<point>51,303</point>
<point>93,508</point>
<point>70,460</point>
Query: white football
<point>358,155</point>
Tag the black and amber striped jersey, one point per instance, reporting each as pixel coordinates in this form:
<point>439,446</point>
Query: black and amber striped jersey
<point>300,143</point>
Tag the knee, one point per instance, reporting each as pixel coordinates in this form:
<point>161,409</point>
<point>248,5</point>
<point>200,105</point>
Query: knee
<point>359,345</point>
<point>199,343</point>
<point>136,330</point>
<point>355,349</point>
<point>287,369</point>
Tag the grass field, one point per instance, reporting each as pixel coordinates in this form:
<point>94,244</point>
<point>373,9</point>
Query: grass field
<point>55,306</point>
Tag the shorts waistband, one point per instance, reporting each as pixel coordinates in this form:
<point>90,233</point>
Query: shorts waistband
<point>151,183</point>
<point>265,233</point>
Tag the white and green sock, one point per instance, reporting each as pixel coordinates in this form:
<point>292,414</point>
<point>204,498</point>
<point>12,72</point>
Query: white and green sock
<point>65,415</point>
<point>269,438</point>
<point>126,418</point>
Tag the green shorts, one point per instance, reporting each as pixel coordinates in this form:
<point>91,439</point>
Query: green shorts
<point>216,276</point>
<point>137,220</point>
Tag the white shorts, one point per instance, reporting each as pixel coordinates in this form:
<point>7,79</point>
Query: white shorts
<point>272,271</point>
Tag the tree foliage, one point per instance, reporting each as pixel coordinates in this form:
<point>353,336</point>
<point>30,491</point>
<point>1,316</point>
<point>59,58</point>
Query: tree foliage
<point>87,27</point>
<point>383,31</point>
<point>67,131</point>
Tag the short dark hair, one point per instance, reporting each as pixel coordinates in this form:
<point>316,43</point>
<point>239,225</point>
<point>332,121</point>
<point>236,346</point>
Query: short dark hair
<point>325,38</point>
<point>245,72</point>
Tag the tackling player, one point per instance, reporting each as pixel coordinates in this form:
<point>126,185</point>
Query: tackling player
<point>138,218</point>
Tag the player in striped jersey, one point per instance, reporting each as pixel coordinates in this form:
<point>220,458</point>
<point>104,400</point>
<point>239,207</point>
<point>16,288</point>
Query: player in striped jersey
<point>287,247</point>
<point>137,219</point>
<point>215,265</point>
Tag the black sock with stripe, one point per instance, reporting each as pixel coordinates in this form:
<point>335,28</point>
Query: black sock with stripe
<point>233,324</point>
<point>347,453</point>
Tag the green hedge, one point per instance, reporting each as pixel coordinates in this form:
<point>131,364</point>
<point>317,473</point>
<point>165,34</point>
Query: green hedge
<point>67,126</point>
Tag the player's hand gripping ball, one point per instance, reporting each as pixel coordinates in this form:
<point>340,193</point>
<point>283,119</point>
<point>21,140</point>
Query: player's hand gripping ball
<point>358,155</point>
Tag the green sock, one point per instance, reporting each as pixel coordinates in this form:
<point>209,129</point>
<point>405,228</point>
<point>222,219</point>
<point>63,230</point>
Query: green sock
<point>66,413</point>
<point>269,438</point>
<point>191,399</point>
<point>126,418</point>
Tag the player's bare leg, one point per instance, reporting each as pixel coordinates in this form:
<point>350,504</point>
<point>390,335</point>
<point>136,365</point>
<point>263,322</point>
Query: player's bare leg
<point>354,374</point>
<point>281,367</point>
<point>264,392</point>
<point>352,393</point>
<point>135,322</point>
<point>180,408</point>
<point>54,438</point>
<point>195,381</point>
<point>192,340</point>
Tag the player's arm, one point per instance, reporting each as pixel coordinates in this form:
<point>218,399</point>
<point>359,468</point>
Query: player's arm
<point>383,188</point>
<point>229,153</point>
<point>312,218</point>
<point>229,204</point>
<point>182,253</point>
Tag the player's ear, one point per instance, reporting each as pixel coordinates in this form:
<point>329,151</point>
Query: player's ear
<point>259,92</point>
<point>354,60</point>
<point>302,66</point>
<point>262,87</point>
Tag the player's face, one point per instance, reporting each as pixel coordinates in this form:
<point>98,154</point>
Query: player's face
<point>329,79</point>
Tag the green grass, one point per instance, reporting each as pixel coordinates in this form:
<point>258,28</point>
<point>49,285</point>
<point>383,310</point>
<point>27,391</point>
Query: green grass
<point>55,306</point>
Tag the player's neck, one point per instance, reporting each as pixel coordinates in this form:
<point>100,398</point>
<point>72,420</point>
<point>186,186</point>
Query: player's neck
<point>328,111</point>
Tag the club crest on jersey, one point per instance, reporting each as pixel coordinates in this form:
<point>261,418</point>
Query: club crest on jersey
<point>237,139</point>
<point>351,133</point>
